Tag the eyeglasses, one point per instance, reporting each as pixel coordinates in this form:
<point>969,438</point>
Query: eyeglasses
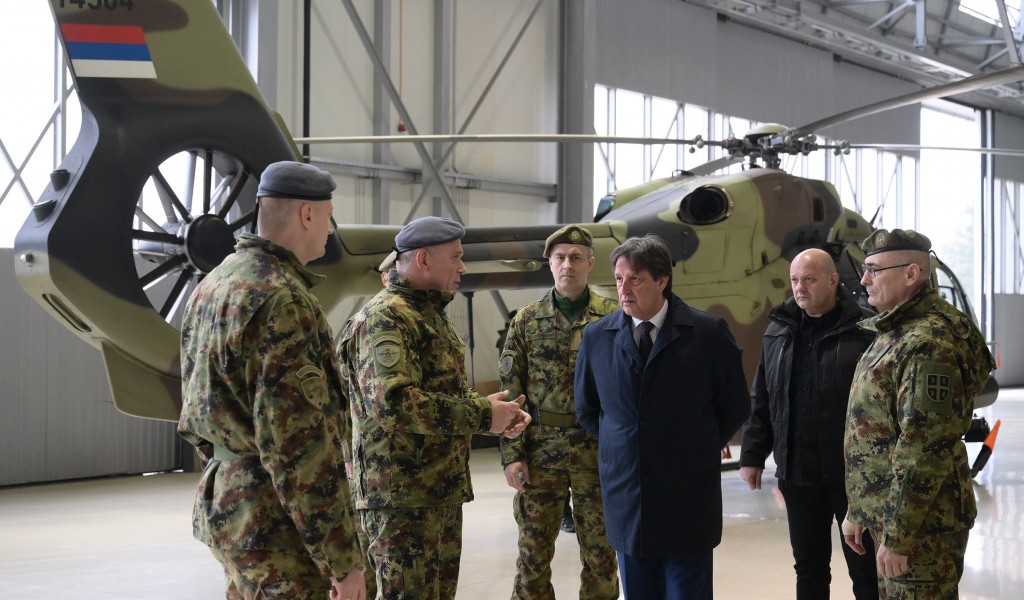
<point>874,270</point>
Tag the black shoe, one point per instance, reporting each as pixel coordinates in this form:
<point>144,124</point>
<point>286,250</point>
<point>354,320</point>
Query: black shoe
<point>568,525</point>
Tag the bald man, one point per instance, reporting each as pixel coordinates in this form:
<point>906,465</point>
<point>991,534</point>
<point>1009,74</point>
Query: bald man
<point>798,408</point>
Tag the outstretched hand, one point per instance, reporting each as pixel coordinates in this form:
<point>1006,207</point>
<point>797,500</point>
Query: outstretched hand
<point>508,418</point>
<point>519,421</point>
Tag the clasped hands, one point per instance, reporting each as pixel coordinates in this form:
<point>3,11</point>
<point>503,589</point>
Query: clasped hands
<point>508,417</point>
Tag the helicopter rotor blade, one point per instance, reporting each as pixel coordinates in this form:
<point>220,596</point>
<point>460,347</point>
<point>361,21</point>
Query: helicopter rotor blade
<point>913,147</point>
<point>719,163</point>
<point>961,86</point>
<point>497,137</point>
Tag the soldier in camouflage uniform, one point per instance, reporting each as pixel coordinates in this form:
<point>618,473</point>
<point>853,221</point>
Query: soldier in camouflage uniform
<point>413,415</point>
<point>555,454</point>
<point>364,541</point>
<point>263,405</point>
<point>913,393</point>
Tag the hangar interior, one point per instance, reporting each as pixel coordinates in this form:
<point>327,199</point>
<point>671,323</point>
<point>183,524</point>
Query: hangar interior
<point>646,68</point>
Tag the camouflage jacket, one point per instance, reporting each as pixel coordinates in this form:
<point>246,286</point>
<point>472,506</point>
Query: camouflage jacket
<point>259,380</point>
<point>911,402</point>
<point>412,408</point>
<point>539,360</point>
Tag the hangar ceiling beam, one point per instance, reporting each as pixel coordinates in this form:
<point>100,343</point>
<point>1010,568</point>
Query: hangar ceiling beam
<point>380,209</point>
<point>850,29</point>
<point>389,85</point>
<point>1013,53</point>
<point>483,95</point>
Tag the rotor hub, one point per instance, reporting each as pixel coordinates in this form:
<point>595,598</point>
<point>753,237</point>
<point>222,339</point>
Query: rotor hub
<point>208,241</point>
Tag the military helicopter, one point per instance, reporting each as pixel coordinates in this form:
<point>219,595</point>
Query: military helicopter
<point>112,251</point>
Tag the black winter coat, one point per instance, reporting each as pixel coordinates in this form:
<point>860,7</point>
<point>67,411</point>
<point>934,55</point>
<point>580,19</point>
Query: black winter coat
<point>767,428</point>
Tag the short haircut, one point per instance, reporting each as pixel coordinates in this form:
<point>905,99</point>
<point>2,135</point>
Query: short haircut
<point>273,214</point>
<point>918,257</point>
<point>647,253</point>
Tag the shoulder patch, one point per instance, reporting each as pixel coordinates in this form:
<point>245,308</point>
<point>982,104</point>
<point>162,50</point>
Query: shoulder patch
<point>937,383</point>
<point>505,364</point>
<point>313,384</point>
<point>387,350</point>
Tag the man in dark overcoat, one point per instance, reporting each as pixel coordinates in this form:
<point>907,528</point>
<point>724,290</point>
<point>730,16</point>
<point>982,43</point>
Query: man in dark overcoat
<point>661,386</point>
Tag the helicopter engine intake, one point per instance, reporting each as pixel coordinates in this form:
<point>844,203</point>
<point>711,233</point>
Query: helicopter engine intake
<point>706,205</point>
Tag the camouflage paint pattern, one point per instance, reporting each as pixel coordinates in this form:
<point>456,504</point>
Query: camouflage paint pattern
<point>259,378</point>
<point>907,474</point>
<point>208,102</point>
<point>539,360</point>
<point>200,100</point>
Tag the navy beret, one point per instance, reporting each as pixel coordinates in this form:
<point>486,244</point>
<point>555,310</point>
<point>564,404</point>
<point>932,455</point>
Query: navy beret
<point>570,234</point>
<point>290,179</point>
<point>423,232</point>
<point>898,239</point>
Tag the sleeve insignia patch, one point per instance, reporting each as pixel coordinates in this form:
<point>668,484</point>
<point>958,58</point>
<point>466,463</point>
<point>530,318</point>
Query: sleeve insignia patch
<point>387,350</point>
<point>313,384</point>
<point>505,365</point>
<point>936,387</point>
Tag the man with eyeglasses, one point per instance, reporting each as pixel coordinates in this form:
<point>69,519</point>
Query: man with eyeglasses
<point>907,475</point>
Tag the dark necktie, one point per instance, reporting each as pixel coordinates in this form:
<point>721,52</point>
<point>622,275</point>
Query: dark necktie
<point>645,340</point>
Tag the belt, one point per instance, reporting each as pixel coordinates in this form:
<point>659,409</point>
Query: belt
<point>553,419</point>
<point>223,454</point>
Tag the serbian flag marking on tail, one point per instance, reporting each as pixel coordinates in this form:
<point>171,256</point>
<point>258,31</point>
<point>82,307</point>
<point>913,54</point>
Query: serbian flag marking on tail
<point>108,51</point>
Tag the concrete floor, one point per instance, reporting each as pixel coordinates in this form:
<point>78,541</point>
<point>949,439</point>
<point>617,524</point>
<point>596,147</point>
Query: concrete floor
<point>130,537</point>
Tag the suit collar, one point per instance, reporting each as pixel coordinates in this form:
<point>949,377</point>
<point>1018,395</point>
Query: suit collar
<point>678,317</point>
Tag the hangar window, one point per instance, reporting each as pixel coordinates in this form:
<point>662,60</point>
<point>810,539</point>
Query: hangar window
<point>937,192</point>
<point>38,137</point>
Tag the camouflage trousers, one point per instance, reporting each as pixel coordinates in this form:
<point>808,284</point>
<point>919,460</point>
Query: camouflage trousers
<point>538,513</point>
<point>364,550</point>
<point>415,551</point>
<point>258,574</point>
<point>935,567</point>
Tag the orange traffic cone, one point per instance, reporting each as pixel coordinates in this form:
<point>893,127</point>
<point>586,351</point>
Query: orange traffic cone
<point>986,450</point>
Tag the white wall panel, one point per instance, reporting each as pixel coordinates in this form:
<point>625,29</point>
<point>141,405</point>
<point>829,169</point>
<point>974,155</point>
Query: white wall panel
<point>57,419</point>
<point>1009,133</point>
<point>1008,315</point>
<point>679,51</point>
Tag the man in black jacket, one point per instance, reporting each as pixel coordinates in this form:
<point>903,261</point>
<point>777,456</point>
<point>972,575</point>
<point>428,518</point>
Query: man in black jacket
<point>798,410</point>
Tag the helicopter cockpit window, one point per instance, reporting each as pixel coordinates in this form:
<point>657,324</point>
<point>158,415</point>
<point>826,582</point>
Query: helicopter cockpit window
<point>604,206</point>
<point>705,205</point>
<point>950,288</point>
